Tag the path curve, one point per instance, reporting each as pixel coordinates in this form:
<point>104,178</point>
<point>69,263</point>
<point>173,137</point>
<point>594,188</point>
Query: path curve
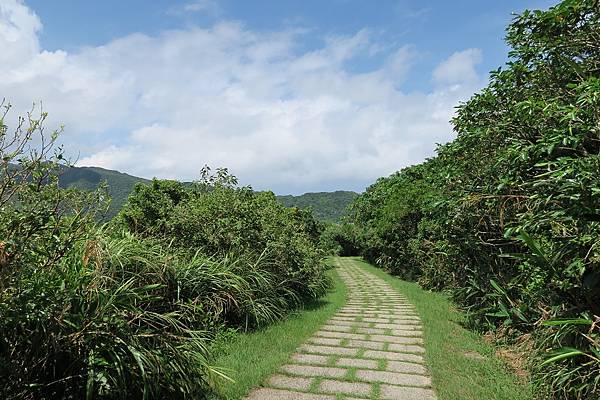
<point>372,348</point>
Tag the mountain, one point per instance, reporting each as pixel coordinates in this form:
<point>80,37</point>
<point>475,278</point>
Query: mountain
<point>88,178</point>
<point>326,206</point>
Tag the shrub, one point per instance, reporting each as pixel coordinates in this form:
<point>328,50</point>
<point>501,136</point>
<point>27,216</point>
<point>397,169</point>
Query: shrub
<point>506,215</point>
<point>215,217</point>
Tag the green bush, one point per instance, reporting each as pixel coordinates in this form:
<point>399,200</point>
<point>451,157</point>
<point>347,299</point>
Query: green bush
<point>506,216</point>
<point>215,217</point>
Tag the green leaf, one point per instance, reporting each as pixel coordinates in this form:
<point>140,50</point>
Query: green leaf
<point>532,244</point>
<point>562,354</point>
<point>568,321</point>
<point>497,287</point>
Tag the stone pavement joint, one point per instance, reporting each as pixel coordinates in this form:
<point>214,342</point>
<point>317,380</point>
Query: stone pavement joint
<point>371,348</point>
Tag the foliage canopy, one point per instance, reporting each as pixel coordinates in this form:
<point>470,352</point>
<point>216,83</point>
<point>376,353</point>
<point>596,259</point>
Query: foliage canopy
<point>507,215</point>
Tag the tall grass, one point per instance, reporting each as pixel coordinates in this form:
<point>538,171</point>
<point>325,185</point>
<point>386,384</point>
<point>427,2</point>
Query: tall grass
<point>102,322</point>
<point>124,317</point>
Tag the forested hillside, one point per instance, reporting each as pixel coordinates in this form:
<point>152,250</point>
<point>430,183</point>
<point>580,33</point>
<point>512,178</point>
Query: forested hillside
<point>120,185</point>
<point>507,216</point>
<point>326,206</point>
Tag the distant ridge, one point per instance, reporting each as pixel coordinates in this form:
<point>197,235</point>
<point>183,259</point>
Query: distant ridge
<point>120,185</point>
<point>327,206</point>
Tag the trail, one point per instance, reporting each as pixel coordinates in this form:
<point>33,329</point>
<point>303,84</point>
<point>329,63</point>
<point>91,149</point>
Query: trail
<point>372,348</point>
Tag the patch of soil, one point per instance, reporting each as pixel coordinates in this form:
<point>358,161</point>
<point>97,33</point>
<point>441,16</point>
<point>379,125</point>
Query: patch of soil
<point>516,355</point>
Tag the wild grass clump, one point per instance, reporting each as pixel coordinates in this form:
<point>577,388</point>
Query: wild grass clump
<point>129,309</point>
<point>102,322</point>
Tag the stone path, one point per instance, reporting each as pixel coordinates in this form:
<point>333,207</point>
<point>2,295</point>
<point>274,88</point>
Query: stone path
<point>372,348</point>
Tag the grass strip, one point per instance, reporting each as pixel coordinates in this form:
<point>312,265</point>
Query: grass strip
<point>250,358</point>
<point>456,374</point>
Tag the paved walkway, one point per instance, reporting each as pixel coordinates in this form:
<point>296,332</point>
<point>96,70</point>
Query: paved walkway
<point>372,348</point>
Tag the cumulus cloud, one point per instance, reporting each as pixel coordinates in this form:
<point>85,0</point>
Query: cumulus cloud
<point>279,117</point>
<point>200,5</point>
<point>458,68</point>
<point>18,34</point>
<point>207,6</point>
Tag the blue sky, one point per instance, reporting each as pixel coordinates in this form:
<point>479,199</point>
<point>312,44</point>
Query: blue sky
<point>293,96</point>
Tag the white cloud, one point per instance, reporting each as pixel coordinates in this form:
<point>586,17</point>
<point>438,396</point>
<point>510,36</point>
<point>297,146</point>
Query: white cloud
<point>18,34</point>
<point>458,68</point>
<point>207,6</point>
<point>400,62</point>
<point>199,5</point>
<point>278,117</point>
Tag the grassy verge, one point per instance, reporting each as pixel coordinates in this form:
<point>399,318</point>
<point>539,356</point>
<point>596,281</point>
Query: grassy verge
<point>249,358</point>
<point>462,365</point>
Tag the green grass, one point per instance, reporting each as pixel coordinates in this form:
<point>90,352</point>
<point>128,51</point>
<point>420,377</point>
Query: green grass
<point>455,375</point>
<point>250,358</point>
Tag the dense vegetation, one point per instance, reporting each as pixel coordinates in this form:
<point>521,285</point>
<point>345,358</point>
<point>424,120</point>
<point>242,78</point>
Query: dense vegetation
<point>131,309</point>
<point>326,206</point>
<point>507,216</point>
